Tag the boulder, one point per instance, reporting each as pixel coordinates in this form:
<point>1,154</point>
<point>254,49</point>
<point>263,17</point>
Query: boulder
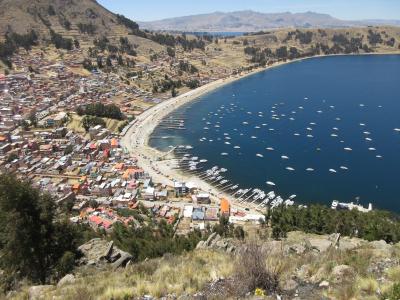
<point>334,238</point>
<point>290,285</point>
<point>67,279</point>
<point>339,273</point>
<point>38,292</point>
<point>324,284</point>
<point>201,245</point>
<point>109,250</point>
<point>210,239</point>
<point>123,260</point>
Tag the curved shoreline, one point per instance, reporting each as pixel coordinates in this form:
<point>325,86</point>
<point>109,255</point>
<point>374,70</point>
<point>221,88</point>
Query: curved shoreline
<point>137,136</point>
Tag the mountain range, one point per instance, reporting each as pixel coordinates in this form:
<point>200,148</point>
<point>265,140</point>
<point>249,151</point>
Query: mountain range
<point>251,21</point>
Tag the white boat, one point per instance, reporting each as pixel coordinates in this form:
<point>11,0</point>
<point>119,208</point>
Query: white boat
<point>310,170</point>
<point>310,136</point>
<point>296,134</point>
<point>371,149</point>
<point>289,169</point>
<point>224,154</point>
<point>270,183</point>
<point>284,157</point>
<point>270,149</point>
<point>253,137</point>
<point>397,129</point>
<point>237,147</point>
<point>292,197</point>
<point>259,155</point>
<point>348,149</point>
<point>378,156</point>
<point>334,135</point>
<point>332,171</point>
<point>344,168</point>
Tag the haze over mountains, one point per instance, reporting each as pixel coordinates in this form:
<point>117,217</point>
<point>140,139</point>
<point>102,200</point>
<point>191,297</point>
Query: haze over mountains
<point>251,21</point>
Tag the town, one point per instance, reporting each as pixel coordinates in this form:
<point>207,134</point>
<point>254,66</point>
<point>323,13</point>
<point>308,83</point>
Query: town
<point>42,139</point>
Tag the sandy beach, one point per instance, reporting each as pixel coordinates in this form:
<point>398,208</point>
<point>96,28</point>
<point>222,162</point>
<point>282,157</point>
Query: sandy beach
<point>136,138</point>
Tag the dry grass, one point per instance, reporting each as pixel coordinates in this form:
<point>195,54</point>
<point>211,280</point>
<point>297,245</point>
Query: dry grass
<point>184,274</point>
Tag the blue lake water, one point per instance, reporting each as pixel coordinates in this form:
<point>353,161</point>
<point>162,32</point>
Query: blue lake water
<point>308,111</point>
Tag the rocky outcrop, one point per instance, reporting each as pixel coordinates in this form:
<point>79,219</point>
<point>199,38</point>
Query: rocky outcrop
<point>67,279</point>
<point>98,252</point>
<point>216,242</point>
<point>38,292</point>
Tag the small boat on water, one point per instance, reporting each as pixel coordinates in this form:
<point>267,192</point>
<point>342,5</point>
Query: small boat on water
<point>259,155</point>
<point>332,171</point>
<point>310,170</point>
<point>270,183</point>
<point>290,169</point>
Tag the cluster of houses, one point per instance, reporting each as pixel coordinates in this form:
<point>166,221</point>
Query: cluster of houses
<point>92,173</point>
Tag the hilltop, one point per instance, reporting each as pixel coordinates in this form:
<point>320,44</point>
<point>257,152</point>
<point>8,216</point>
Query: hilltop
<point>83,20</point>
<point>251,21</point>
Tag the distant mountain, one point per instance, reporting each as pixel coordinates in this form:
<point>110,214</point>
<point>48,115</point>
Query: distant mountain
<point>251,21</point>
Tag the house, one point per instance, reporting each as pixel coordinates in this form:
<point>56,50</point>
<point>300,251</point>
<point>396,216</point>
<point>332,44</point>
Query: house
<point>149,194</point>
<point>180,189</point>
<point>225,207</point>
<point>202,198</point>
<point>198,214</point>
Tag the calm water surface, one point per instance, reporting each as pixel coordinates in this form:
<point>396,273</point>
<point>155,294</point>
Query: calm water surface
<point>308,111</point>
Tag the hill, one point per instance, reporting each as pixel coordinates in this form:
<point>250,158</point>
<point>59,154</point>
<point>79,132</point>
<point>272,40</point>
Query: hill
<point>251,21</point>
<point>83,20</point>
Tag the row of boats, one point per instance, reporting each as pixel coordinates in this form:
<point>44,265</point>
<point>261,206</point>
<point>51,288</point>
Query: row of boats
<point>215,176</point>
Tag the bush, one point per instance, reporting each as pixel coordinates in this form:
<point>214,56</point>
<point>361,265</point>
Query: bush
<point>252,272</point>
<point>65,264</point>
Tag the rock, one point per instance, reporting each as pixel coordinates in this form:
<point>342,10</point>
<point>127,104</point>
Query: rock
<point>318,276</point>
<point>320,245</point>
<point>39,291</point>
<point>122,261</point>
<point>381,248</point>
<point>98,252</point>
<point>201,245</point>
<point>290,285</point>
<point>114,256</point>
<point>335,238</point>
<point>304,272</point>
<point>220,244</point>
<point>324,284</point>
<point>340,272</point>
<point>297,248</point>
<point>109,250</point>
<point>211,238</point>
<point>67,279</point>
<point>231,249</point>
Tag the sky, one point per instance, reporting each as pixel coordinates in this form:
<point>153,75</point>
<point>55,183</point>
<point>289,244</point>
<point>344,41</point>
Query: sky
<point>150,10</point>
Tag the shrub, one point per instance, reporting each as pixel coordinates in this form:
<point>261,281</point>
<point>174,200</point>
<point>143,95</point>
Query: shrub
<point>66,264</point>
<point>252,272</point>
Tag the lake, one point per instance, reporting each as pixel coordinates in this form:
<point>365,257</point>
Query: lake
<point>323,128</point>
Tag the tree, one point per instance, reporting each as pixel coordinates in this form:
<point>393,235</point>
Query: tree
<point>32,240</point>
<point>171,51</point>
